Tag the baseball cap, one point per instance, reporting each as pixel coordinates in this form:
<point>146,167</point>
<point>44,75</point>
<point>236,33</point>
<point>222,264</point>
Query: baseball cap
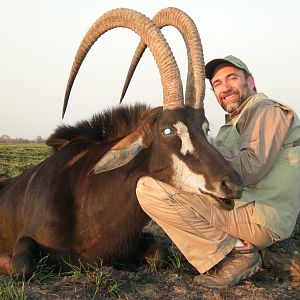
<point>211,66</point>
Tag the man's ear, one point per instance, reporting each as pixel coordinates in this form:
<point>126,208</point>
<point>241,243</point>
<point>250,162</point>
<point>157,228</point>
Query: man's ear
<point>251,83</point>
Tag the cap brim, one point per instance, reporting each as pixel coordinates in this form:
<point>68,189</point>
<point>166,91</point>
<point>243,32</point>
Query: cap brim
<point>210,67</point>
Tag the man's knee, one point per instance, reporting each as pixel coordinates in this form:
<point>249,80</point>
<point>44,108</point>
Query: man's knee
<point>143,185</point>
<point>267,239</point>
<point>152,193</point>
<point>144,188</point>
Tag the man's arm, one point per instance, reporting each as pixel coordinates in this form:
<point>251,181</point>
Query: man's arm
<point>262,128</point>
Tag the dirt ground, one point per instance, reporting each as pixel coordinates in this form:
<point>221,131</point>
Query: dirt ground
<point>165,284</point>
<point>142,283</point>
<point>171,281</point>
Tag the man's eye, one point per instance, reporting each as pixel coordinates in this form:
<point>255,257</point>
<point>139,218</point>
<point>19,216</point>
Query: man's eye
<point>232,77</point>
<point>167,131</point>
<point>216,85</point>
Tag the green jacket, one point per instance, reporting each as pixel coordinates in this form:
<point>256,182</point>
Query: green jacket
<point>277,194</point>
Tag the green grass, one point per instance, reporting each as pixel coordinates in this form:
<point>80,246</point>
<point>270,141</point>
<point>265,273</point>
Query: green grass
<point>176,260</point>
<point>11,289</point>
<point>15,158</point>
<point>94,281</point>
<point>94,278</point>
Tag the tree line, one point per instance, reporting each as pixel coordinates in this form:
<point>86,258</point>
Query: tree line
<point>5,139</point>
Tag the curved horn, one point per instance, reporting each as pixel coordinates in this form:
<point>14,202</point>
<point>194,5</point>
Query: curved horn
<point>195,85</point>
<point>151,35</point>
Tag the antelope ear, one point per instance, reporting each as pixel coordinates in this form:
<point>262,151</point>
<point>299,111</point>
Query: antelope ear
<point>130,146</point>
<point>119,155</point>
<point>56,143</point>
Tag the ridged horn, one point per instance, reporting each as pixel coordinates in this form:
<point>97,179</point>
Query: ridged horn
<point>195,84</point>
<point>153,38</point>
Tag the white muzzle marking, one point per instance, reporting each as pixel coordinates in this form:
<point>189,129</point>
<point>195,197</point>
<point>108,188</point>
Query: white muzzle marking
<point>185,179</point>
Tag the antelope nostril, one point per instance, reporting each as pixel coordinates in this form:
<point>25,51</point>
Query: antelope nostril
<point>231,187</point>
<point>227,204</point>
<point>226,186</point>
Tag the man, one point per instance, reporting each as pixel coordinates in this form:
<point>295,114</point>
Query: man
<point>260,140</point>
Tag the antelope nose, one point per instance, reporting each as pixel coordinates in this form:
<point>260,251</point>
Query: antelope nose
<point>232,187</point>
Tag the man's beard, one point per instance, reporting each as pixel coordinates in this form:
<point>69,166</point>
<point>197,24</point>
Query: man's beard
<point>232,106</point>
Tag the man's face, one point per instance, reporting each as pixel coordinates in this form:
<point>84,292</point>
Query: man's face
<point>231,87</point>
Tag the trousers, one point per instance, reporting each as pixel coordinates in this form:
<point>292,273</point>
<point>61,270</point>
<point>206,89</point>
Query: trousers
<point>203,231</point>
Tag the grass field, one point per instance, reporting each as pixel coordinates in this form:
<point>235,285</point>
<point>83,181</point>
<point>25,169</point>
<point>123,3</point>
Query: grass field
<point>15,158</point>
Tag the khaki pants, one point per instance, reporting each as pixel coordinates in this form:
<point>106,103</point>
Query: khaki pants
<point>201,230</point>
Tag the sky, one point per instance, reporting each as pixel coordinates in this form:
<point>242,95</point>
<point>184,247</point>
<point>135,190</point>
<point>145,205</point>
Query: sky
<point>39,39</point>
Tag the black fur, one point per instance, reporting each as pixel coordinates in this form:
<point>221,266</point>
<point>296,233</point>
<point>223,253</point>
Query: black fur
<point>106,126</point>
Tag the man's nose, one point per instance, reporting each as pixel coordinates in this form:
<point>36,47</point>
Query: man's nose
<point>225,87</point>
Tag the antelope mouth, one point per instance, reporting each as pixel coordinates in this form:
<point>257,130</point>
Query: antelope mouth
<point>224,203</point>
<point>227,204</point>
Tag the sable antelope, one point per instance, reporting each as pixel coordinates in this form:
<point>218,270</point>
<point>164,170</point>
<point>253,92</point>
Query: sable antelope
<point>80,203</point>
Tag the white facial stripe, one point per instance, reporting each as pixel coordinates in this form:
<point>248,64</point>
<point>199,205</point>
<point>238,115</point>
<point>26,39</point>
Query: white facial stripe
<point>183,133</point>
<point>185,179</point>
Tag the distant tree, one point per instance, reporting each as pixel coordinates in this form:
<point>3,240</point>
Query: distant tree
<point>4,138</point>
<point>39,139</point>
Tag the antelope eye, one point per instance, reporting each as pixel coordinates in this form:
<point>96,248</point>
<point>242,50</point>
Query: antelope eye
<point>167,131</point>
<point>205,127</point>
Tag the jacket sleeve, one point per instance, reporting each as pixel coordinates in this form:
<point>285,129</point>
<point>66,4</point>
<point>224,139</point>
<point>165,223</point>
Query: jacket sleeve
<point>262,128</point>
